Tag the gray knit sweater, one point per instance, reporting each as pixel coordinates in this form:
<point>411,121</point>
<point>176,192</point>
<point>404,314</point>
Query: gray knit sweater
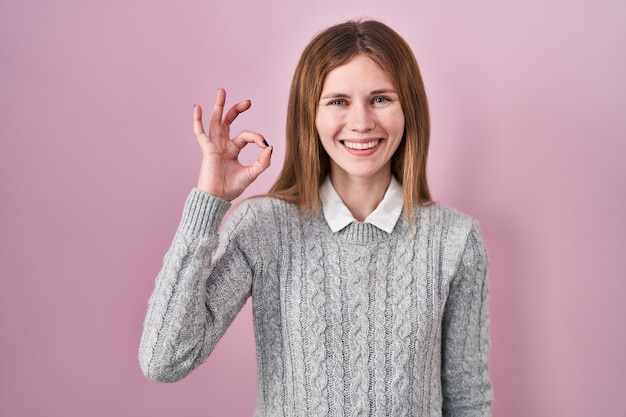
<point>354,323</point>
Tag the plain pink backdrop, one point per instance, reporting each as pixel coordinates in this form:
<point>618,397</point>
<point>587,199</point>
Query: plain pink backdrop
<point>97,156</point>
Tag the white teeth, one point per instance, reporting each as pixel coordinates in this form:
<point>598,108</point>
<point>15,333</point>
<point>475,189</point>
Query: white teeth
<point>361,145</point>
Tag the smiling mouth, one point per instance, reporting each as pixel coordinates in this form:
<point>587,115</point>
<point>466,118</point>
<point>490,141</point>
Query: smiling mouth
<point>361,145</point>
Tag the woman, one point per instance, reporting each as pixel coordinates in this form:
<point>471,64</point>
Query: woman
<point>368,298</point>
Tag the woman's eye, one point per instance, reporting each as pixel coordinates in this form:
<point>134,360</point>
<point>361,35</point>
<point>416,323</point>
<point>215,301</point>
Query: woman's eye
<point>337,102</point>
<point>381,100</point>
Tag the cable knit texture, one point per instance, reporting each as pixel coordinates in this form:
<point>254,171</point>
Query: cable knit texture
<point>354,323</point>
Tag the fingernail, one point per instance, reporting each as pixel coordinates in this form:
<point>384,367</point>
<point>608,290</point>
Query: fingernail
<point>265,143</point>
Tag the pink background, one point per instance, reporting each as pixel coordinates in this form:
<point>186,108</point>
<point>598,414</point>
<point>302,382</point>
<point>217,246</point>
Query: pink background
<point>96,158</point>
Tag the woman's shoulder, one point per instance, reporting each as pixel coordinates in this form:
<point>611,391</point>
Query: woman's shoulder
<point>441,214</point>
<point>266,204</point>
<point>454,224</point>
<point>267,210</point>
<point>265,223</point>
<point>454,229</point>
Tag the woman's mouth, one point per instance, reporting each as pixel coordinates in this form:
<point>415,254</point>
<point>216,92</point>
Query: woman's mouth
<point>360,146</point>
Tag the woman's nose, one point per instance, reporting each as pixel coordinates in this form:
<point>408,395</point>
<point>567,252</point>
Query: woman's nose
<point>360,119</point>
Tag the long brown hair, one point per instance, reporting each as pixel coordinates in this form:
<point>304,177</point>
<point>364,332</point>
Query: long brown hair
<point>306,163</point>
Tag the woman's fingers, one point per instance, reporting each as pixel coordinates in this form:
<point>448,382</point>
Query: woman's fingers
<point>244,138</point>
<point>219,125</point>
<point>235,111</point>
<point>221,172</point>
<point>215,128</point>
<point>264,159</point>
<point>261,164</point>
<point>198,129</point>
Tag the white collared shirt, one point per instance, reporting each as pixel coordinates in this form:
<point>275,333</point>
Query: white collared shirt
<point>385,216</point>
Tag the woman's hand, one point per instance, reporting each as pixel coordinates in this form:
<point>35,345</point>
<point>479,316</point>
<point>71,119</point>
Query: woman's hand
<point>221,173</point>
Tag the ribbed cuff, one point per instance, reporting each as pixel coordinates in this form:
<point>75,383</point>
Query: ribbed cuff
<point>203,213</point>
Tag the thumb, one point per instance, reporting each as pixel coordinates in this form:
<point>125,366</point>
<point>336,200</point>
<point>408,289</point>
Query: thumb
<point>262,163</point>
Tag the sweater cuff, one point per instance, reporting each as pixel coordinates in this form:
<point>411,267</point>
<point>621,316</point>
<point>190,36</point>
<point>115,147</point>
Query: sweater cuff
<point>203,213</point>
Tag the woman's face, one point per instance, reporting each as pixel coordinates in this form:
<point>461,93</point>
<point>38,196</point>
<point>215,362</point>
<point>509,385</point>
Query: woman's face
<point>359,120</point>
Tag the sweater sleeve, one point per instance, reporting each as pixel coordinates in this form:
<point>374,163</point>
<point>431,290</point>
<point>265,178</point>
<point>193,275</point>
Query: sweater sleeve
<point>467,389</point>
<point>203,283</point>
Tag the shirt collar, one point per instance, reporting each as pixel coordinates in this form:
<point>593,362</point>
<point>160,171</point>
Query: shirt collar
<point>385,216</point>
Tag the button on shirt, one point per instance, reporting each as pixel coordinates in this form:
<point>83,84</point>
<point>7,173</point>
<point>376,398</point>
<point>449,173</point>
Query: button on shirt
<point>385,216</point>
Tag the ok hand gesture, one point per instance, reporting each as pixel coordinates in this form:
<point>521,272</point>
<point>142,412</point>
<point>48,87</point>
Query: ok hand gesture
<point>221,173</point>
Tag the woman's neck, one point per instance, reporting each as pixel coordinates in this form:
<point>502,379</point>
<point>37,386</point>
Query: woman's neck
<point>361,195</point>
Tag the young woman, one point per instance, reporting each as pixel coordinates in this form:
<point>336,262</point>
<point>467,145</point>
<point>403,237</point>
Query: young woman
<point>368,298</point>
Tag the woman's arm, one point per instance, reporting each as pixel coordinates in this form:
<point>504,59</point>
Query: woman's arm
<point>204,282</point>
<point>205,279</point>
<point>467,389</point>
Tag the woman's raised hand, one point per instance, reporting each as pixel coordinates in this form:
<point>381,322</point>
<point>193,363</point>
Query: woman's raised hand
<point>221,173</point>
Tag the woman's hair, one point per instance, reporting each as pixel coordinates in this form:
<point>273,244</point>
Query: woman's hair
<point>306,162</point>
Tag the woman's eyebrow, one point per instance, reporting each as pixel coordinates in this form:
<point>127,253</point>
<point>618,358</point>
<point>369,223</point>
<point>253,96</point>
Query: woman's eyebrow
<point>373,93</point>
<point>384,91</point>
<point>335,95</point>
